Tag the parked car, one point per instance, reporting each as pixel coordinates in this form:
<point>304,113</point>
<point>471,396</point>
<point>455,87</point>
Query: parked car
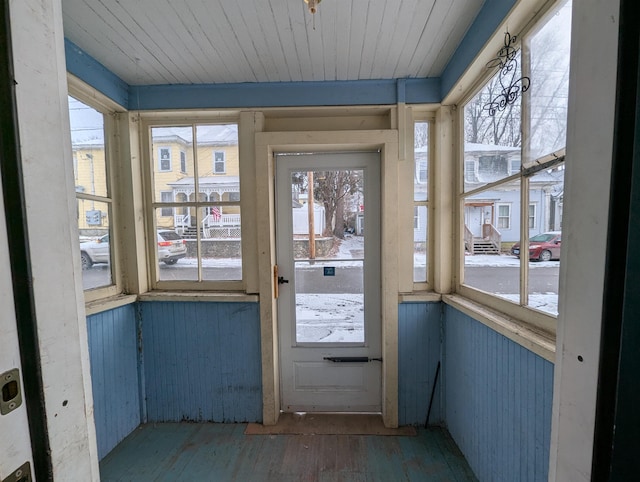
<point>542,247</point>
<point>171,247</point>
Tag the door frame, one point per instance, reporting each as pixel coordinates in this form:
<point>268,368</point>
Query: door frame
<point>362,396</point>
<point>266,143</point>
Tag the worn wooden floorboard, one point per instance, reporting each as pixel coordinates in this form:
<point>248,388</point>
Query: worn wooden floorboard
<point>222,452</point>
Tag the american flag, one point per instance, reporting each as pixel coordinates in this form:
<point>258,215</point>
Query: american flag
<point>215,213</point>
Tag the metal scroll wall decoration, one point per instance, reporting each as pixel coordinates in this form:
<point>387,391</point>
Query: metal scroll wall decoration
<point>512,87</point>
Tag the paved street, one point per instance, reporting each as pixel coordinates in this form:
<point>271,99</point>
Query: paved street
<point>495,279</point>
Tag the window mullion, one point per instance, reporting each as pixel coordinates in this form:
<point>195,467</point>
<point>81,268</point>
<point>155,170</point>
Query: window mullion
<point>524,241</point>
<point>196,199</point>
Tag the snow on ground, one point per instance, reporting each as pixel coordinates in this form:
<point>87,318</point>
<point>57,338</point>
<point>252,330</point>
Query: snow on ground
<point>547,302</point>
<point>331,318</point>
<point>500,260</point>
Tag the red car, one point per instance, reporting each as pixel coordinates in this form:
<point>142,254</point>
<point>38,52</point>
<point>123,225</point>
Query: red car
<point>543,247</point>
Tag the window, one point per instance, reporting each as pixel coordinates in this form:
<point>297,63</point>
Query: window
<point>420,201</point>
<point>219,165</point>
<point>532,216</point>
<point>196,218</point>
<point>183,162</point>
<point>166,197</point>
<point>469,171</point>
<point>164,154</point>
<point>421,171</point>
<point>504,216</point>
<point>93,196</point>
<point>519,182</point>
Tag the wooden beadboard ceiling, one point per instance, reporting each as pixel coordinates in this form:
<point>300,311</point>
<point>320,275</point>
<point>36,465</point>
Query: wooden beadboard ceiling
<point>148,42</point>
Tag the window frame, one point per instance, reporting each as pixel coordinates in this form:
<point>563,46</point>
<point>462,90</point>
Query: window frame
<point>163,210</point>
<point>499,217</point>
<point>532,217</point>
<point>160,159</point>
<point>181,119</point>
<point>109,109</point>
<point>183,161</point>
<point>428,117</point>
<point>517,311</point>
<point>223,162</point>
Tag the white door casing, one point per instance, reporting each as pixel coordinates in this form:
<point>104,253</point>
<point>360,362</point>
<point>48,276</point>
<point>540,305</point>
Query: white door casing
<point>15,442</point>
<point>315,296</point>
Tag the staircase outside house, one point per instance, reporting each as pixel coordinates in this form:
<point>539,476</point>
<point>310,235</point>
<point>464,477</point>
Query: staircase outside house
<point>489,243</point>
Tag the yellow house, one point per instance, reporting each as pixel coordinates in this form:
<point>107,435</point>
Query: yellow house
<point>213,159</point>
<point>90,177</point>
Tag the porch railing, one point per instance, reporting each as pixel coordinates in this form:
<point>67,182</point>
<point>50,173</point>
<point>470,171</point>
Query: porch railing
<point>181,221</point>
<point>221,226</point>
<point>491,234</point>
<point>468,239</point>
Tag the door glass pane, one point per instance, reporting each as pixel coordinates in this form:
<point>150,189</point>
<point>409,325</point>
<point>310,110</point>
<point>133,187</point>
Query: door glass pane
<point>328,246</point>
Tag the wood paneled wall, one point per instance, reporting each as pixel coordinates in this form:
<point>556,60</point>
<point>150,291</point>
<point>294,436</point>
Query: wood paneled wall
<point>201,361</point>
<point>114,375</point>
<point>419,327</point>
<point>498,401</point>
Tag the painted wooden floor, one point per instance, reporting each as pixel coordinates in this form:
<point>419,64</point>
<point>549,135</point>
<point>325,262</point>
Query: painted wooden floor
<point>221,452</point>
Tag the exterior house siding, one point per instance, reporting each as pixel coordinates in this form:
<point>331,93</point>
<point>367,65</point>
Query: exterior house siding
<point>498,401</point>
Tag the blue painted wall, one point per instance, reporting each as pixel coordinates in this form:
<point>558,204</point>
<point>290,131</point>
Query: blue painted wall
<point>419,350</point>
<point>482,28</point>
<point>202,361</point>
<point>88,69</point>
<point>498,401</point>
<point>114,375</point>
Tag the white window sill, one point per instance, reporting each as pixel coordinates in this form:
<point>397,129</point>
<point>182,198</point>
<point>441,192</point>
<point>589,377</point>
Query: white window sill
<point>520,332</point>
<point>112,302</point>
<point>213,296</point>
<point>419,297</point>
<point>109,303</point>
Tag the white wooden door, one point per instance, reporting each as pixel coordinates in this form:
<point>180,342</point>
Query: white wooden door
<point>15,443</point>
<point>329,319</point>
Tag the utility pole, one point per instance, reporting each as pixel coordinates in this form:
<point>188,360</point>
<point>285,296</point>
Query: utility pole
<point>310,206</point>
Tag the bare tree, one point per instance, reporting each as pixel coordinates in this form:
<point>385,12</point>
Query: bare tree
<point>332,188</point>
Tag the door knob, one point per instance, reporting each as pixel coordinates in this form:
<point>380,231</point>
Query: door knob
<point>281,280</point>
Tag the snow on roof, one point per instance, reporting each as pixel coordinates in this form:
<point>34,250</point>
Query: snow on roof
<point>218,180</point>
<point>474,147</point>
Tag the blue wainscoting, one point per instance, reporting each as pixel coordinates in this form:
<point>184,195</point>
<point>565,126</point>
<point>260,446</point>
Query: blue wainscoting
<point>419,329</point>
<point>202,361</point>
<point>498,401</point>
<point>114,375</point>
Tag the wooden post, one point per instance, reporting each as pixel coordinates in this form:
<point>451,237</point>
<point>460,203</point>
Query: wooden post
<point>312,229</point>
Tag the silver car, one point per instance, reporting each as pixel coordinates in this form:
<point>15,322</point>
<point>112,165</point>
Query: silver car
<point>171,247</point>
